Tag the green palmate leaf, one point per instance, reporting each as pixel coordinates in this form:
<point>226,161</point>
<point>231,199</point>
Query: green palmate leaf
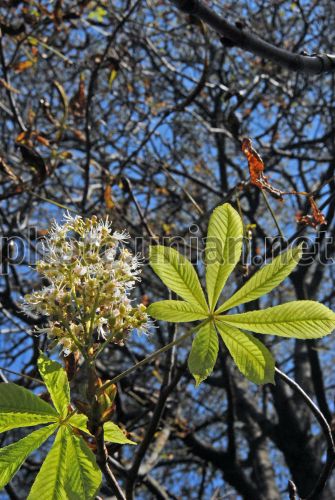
<point>302,319</point>
<point>203,353</point>
<point>178,274</point>
<point>79,421</point>
<point>57,383</point>
<point>112,432</point>
<point>13,456</point>
<point>83,476</point>
<point>252,358</point>
<point>176,311</point>
<point>21,408</point>
<point>265,280</point>
<point>49,482</point>
<point>223,249</point>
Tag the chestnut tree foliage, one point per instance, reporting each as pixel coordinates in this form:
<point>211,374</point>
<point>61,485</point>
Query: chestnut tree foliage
<point>137,110</point>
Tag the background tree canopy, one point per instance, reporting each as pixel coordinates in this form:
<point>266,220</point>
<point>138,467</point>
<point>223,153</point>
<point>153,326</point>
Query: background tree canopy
<point>137,110</point>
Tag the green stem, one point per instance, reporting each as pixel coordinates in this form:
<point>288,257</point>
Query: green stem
<point>93,313</point>
<point>146,360</point>
<point>53,202</point>
<point>102,347</point>
<point>51,49</point>
<point>75,341</point>
<point>22,375</point>
<point>272,214</point>
<point>69,415</point>
<point>239,208</point>
<point>74,298</point>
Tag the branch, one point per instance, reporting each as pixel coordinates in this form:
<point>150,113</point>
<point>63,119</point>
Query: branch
<point>292,491</point>
<point>314,64</point>
<point>166,389</point>
<point>330,460</point>
<point>11,98</point>
<point>90,95</point>
<point>102,459</point>
<point>232,471</point>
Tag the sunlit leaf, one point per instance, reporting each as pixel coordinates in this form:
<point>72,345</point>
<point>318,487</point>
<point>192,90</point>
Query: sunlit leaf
<point>302,319</point>
<point>112,432</point>
<point>55,379</point>
<point>13,455</point>
<point>265,280</point>
<point>203,353</point>
<point>83,476</point>
<point>112,76</point>
<point>79,420</point>
<point>223,249</point>
<point>252,358</point>
<point>49,482</point>
<point>176,311</point>
<point>22,408</point>
<point>178,274</point>
<point>98,14</point>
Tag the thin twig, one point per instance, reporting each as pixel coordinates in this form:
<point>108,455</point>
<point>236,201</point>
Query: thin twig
<point>11,98</point>
<point>144,221</point>
<point>145,361</point>
<point>272,214</point>
<point>166,389</point>
<point>90,95</point>
<point>22,375</point>
<point>310,403</point>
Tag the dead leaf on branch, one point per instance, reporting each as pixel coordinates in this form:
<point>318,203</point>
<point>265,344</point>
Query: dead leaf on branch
<point>315,219</point>
<point>257,178</point>
<point>256,170</point>
<point>29,136</point>
<point>22,66</point>
<point>78,101</point>
<point>108,197</point>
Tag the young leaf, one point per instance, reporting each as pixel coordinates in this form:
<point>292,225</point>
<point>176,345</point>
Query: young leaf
<point>13,456</point>
<point>265,280</point>
<point>112,432</point>
<point>57,383</point>
<point>223,249</point>
<point>176,311</point>
<point>83,476</point>
<point>178,274</point>
<point>79,421</point>
<point>301,319</point>
<point>22,408</point>
<point>252,358</point>
<point>203,353</point>
<point>49,482</point>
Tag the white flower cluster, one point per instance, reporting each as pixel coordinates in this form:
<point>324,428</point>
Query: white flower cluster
<point>91,274</point>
